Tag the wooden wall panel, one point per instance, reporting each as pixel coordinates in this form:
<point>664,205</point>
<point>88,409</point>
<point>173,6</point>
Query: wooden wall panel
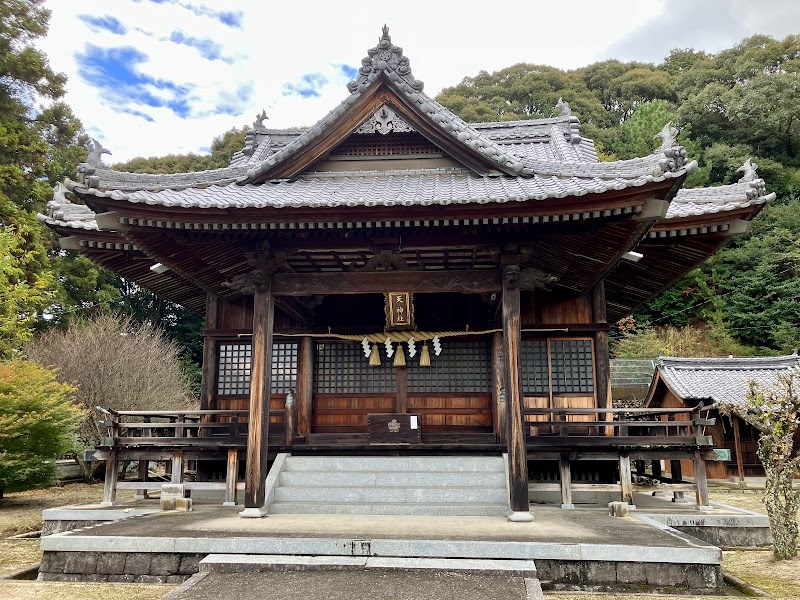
<point>347,412</point>
<point>235,316</point>
<point>453,411</point>
<point>574,310</point>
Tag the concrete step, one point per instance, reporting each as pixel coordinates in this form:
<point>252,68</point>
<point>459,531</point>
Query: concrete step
<point>444,464</point>
<point>242,563</point>
<point>399,478</point>
<point>470,509</point>
<point>421,495</point>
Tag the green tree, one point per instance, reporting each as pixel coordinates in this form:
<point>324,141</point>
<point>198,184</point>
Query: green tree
<point>222,149</point>
<point>37,421</point>
<point>25,288</point>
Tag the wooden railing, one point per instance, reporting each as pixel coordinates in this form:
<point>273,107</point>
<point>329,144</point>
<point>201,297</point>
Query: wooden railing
<point>637,426</point>
<point>194,428</point>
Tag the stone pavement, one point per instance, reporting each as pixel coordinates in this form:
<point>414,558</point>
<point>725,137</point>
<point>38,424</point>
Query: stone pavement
<point>354,585</point>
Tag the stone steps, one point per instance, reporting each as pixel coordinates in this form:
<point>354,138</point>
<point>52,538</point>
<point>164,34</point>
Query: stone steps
<point>394,485</point>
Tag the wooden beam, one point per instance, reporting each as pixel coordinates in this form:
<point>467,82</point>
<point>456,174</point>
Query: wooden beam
<point>498,375</point>
<point>307,284</point>
<point>260,380</point>
<point>517,457</point>
<point>305,385</point>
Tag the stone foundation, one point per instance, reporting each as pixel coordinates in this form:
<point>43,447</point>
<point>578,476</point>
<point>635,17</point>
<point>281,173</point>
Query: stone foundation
<point>610,576</point>
<point>162,567</point>
<point>119,567</point>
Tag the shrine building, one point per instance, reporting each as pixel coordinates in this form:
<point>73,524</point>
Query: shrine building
<point>395,281</point>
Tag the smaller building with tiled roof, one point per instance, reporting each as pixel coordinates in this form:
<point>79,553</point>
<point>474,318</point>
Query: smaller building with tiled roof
<point>681,382</point>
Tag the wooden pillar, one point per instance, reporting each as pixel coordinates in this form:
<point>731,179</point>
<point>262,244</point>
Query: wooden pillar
<point>289,420</point>
<point>602,363</point>
<point>498,384</point>
<point>209,373</point>
<point>230,477</point>
<point>110,482</point>
<point>625,482</point>
<point>143,472</point>
<point>737,447</point>
<point>701,481</point>
<point>177,467</point>
<point>258,421</point>
<point>517,455</point>
<point>565,471</point>
<point>305,386</point>
<point>401,400</point>
<point>676,476</point>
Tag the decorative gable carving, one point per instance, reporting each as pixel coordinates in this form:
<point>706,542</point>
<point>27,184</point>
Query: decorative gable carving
<point>384,121</point>
<point>384,57</point>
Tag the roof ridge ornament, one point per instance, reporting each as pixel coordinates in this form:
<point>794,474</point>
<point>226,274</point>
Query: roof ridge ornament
<point>260,118</point>
<point>748,170</point>
<point>562,108</point>
<point>668,135</point>
<point>384,57</point>
<point>96,151</point>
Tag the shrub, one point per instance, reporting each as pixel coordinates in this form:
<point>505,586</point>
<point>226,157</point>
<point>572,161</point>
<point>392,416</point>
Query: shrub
<point>114,363</point>
<point>37,422</point>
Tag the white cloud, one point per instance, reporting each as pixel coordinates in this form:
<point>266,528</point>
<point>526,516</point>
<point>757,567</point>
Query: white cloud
<point>278,43</point>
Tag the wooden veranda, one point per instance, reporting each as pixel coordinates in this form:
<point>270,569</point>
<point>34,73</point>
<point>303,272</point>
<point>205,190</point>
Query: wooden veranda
<point>562,434</point>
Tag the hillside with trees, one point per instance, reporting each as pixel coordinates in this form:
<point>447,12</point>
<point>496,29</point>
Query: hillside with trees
<point>742,102</point>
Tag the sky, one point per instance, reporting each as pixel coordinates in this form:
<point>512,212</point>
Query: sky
<point>156,77</point>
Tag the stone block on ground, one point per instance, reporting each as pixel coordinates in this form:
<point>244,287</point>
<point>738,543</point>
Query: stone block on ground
<point>618,509</point>
<point>81,562</point>
<point>183,504</point>
<point>631,573</point>
<point>111,563</point>
<point>138,563</point>
<point>190,564</point>
<point>164,563</point>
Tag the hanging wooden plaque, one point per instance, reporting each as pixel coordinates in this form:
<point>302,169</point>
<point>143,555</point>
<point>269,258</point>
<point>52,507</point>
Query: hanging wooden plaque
<point>399,311</point>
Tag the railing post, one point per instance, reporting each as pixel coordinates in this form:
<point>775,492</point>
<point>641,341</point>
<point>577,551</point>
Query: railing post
<point>288,419</point>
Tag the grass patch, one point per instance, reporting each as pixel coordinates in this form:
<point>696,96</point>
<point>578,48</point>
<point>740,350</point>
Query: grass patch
<point>777,577</point>
<point>741,499</point>
<point>21,512</point>
<point>20,590</point>
<point>16,554</point>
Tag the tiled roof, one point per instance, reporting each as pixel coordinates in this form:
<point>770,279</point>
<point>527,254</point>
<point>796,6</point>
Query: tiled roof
<point>722,380</point>
<point>377,188</point>
<point>63,213</point>
<point>703,201</point>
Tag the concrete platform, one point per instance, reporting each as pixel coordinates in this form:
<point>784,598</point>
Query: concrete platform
<point>581,548</point>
